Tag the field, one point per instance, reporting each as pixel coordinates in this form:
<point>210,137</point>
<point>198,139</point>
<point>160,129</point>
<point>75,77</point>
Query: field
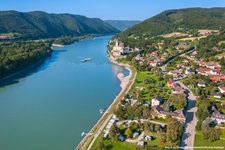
<point>192,38</point>
<point>175,34</point>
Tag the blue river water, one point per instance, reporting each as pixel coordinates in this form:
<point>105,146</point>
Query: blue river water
<point>48,106</point>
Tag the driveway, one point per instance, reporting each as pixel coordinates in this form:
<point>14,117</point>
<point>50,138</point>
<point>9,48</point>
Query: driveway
<point>136,140</point>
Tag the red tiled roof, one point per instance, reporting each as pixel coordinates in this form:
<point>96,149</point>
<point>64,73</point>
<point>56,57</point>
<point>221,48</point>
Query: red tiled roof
<point>202,69</point>
<point>217,78</point>
<point>170,82</point>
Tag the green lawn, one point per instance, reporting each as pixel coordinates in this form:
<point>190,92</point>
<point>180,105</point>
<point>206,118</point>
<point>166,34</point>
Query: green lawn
<point>131,36</point>
<point>156,87</point>
<point>156,141</point>
<point>222,54</point>
<point>112,145</point>
<point>159,87</point>
<point>141,76</point>
<point>201,142</point>
<point>221,42</point>
<point>222,136</point>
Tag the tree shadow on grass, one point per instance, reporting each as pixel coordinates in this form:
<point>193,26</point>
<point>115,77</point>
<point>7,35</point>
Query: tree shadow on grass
<point>108,147</point>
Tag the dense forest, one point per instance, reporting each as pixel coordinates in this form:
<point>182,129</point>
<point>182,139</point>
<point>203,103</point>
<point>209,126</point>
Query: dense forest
<point>122,24</point>
<point>180,20</point>
<point>37,24</point>
<point>15,56</point>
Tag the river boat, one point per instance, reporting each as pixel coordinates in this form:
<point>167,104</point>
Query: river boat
<point>83,133</point>
<point>86,59</point>
<point>101,111</point>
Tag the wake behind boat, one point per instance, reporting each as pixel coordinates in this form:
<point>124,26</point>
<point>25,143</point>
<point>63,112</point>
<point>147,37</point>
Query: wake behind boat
<point>86,59</point>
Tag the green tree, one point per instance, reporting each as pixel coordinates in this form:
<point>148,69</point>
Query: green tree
<point>157,128</point>
<point>202,113</point>
<point>162,136</point>
<point>199,125</point>
<point>178,100</point>
<point>113,132</point>
<point>212,134</point>
<point>100,146</point>
<point>128,133</point>
<point>174,131</point>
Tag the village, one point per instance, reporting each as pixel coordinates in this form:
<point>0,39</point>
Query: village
<point>161,92</point>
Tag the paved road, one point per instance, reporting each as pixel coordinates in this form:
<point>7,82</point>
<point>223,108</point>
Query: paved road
<point>141,121</point>
<point>99,131</point>
<point>187,140</point>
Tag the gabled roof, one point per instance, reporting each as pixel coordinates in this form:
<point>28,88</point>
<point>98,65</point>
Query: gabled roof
<point>170,81</point>
<point>218,95</point>
<point>159,98</point>
<point>179,89</point>
<point>217,78</point>
<point>217,115</point>
<point>201,83</point>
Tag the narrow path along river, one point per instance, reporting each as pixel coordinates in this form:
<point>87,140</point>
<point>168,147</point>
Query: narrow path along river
<point>49,106</point>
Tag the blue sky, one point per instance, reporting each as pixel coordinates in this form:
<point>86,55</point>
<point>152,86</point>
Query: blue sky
<point>107,9</point>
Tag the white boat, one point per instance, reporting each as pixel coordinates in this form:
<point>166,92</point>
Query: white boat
<point>86,59</point>
<point>101,111</point>
<point>83,134</point>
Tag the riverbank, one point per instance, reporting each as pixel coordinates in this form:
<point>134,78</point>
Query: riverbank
<point>126,83</point>
<point>21,71</point>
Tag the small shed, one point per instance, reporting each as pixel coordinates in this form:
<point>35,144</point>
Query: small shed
<point>135,134</point>
<point>148,138</point>
<point>141,143</point>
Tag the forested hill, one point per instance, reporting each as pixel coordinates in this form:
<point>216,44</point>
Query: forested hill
<point>179,19</point>
<point>39,24</point>
<point>122,24</point>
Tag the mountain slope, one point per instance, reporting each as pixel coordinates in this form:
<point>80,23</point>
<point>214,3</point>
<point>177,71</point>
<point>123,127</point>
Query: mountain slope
<point>122,24</point>
<point>172,20</point>
<point>39,24</point>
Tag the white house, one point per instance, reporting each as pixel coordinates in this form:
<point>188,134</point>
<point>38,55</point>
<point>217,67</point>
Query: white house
<point>125,50</point>
<point>138,49</point>
<point>201,84</point>
<point>152,63</point>
<point>189,71</point>
<point>212,66</point>
<point>174,73</point>
<point>215,72</point>
<point>222,89</point>
<point>218,95</point>
<point>157,100</point>
<point>217,117</point>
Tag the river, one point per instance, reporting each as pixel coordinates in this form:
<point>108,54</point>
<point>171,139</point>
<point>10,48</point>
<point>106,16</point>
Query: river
<point>50,105</point>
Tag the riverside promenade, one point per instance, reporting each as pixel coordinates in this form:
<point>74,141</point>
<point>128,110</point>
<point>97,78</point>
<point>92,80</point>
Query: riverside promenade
<point>126,83</point>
